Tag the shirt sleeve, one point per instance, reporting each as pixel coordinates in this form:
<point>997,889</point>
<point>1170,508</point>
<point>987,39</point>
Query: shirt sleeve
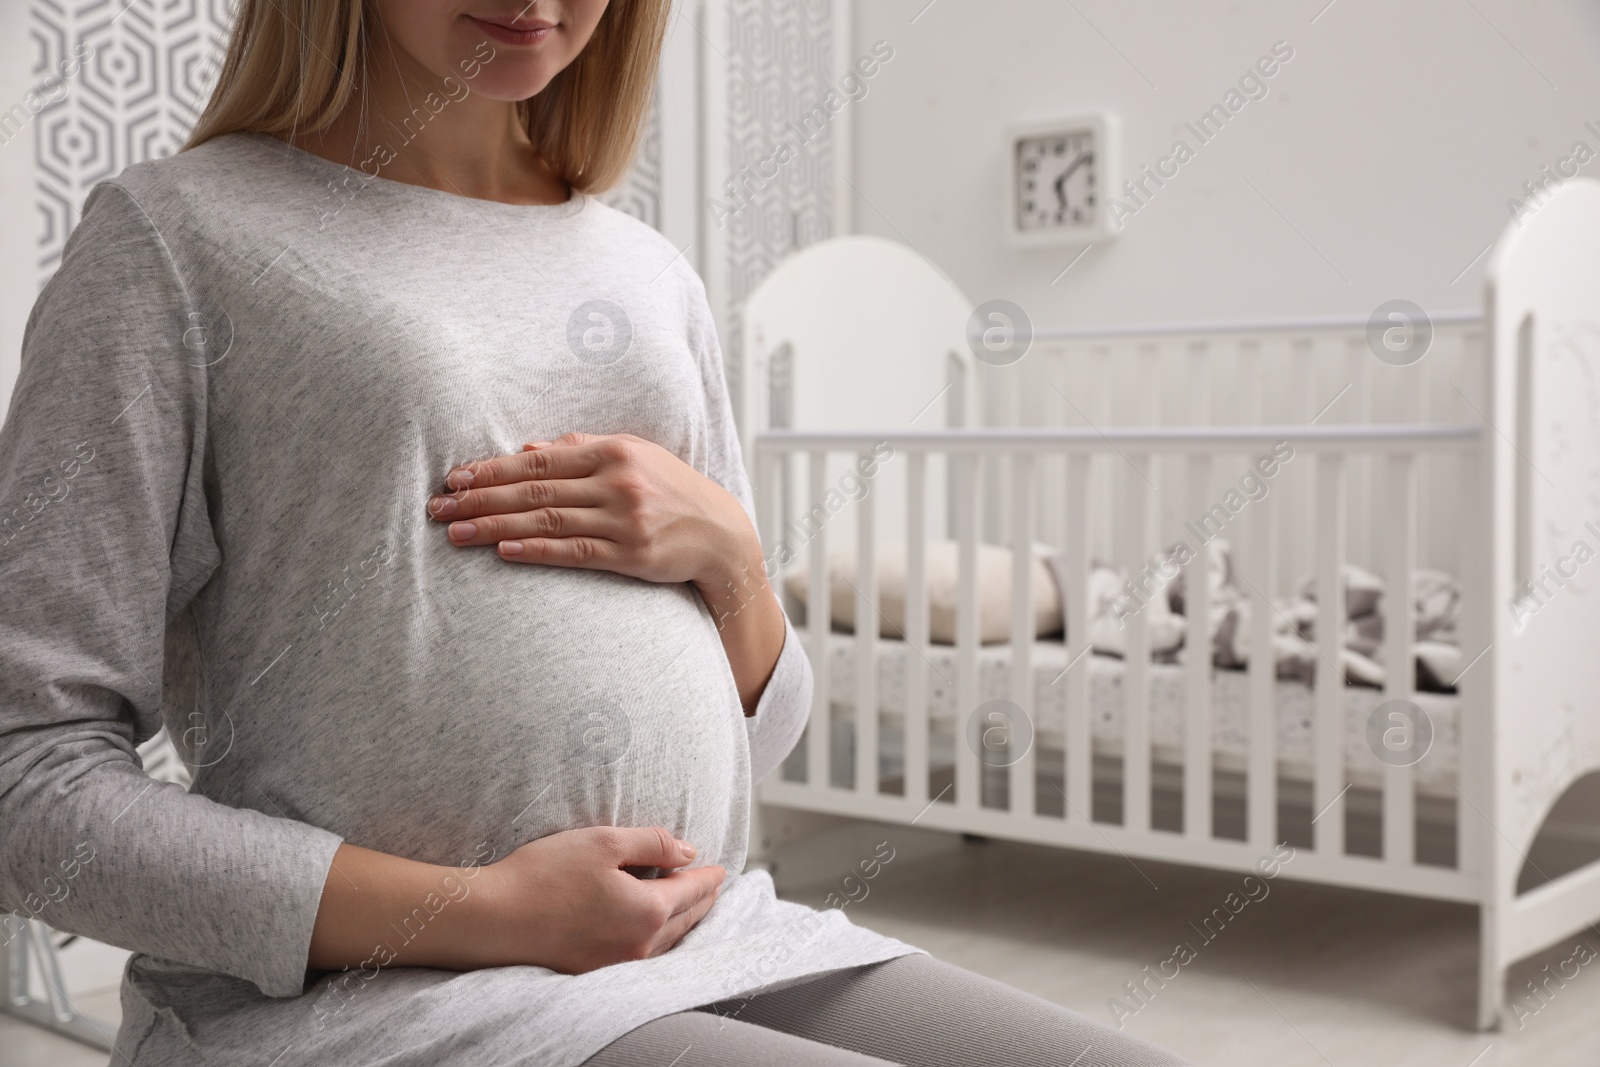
<point>105,538</point>
<point>785,704</point>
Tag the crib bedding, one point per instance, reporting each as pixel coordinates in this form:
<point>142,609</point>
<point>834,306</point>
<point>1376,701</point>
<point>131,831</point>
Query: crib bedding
<point>1159,594</point>
<point>1435,773</point>
<point>1156,596</point>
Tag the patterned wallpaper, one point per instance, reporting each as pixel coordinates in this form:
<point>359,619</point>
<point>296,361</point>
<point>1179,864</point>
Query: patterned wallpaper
<point>151,67</point>
<point>779,66</point>
<point>149,73</point>
<point>640,194</point>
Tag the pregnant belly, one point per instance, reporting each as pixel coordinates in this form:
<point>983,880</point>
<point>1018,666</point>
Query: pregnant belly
<point>516,701</point>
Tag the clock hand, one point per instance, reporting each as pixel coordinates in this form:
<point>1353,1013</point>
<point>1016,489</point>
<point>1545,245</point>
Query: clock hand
<point>1061,179</point>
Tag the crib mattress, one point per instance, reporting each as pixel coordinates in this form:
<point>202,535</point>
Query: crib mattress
<point>1435,773</point>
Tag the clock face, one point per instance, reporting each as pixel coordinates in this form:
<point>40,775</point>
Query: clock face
<point>1058,181</point>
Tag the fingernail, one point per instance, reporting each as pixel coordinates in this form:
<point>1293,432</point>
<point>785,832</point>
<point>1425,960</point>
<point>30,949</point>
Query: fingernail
<point>510,548</point>
<point>462,531</point>
<point>460,478</point>
<point>688,849</point>
<point>539,444</point>
<point>442,505</point>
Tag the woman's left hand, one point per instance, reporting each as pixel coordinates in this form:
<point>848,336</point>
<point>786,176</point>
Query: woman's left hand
<point>611,502</point>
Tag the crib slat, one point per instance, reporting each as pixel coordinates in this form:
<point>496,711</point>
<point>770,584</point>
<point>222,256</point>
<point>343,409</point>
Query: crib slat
<point>992,480</point>
<point>1136,681</point>
<point>967,768</point>
<point>867,625</point>
<point>1328,781</point>
<point>916,714</point>
<point>1200,383</point>
<point>1260,567</point>
<point>1420,407</point>
<point>1150,373</point>
<point>1162,409</point>
<point>1101,388</point>
<point>1103,367</point>
<point>819,624</point>
<point>769,496</point>
<point>1197,666</point>
<point>1399,796</point>
<point>1475,766</point>
<point>1253,373</point>
<point>1079,661</point>
<point>1022,635</point>
<point>1296,512</point>
<point>1362,473</point>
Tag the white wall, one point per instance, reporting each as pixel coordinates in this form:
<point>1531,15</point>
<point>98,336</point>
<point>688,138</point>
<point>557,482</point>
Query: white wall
<point>1391,140</point>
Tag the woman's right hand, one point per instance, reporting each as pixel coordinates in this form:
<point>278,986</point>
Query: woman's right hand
<point>566,903</point>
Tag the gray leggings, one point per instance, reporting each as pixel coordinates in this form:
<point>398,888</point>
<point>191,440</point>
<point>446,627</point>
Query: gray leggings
<point>912,1010</point>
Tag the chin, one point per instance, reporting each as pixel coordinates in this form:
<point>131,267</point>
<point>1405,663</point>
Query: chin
<point>512,84</point>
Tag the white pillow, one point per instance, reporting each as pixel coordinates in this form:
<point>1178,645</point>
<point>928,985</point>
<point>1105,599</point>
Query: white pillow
<point>940,578</point>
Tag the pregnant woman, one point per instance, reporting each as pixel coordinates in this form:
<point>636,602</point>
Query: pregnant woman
<point>362,447</point>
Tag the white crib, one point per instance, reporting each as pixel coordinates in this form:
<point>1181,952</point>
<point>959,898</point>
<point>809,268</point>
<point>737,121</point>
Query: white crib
<point>1482,459</point>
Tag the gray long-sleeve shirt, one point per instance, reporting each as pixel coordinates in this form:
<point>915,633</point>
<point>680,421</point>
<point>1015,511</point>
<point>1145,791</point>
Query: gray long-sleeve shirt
<point>237,393</point>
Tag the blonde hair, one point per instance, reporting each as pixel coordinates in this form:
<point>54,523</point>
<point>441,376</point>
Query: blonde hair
<point>293,66</point>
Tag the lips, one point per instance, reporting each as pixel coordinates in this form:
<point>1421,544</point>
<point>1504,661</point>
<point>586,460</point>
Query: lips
<point>514,23</point>
<point>513,31</point>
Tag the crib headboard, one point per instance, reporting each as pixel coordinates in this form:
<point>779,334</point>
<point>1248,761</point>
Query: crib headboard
<point>875,327</point>
<point>1543,297</point>
<point>855,333</point>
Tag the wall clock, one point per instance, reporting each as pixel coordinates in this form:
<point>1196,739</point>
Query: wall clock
<point>1061,174</point>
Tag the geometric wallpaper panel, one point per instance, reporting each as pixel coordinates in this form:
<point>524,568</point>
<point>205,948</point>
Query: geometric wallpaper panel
<point>149,73</point>
<point>780,58</point>
<point>150,69</point>
<point>639,194</point>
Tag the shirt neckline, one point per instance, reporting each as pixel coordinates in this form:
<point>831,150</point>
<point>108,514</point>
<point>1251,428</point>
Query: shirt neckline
<point>574,203</point>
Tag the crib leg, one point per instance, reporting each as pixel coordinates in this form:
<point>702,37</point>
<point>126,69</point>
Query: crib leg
<point>1491,974</point>
<point>55,1011</point>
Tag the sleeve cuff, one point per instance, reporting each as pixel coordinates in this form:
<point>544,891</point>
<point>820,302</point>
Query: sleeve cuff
<point>280,970</point>
<point>785,705</point>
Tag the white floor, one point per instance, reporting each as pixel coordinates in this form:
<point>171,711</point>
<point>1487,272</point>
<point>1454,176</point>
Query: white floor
<point>1307,976</point>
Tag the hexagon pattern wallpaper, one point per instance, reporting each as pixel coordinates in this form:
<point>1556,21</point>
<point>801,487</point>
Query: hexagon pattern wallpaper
<point>148,70</point>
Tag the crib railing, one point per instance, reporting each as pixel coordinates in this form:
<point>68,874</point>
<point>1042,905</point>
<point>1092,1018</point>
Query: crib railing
<point>1255,373</point>
<point>972,456</point>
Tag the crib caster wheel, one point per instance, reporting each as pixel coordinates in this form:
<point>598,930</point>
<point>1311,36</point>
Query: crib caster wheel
<point>974,839</point>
